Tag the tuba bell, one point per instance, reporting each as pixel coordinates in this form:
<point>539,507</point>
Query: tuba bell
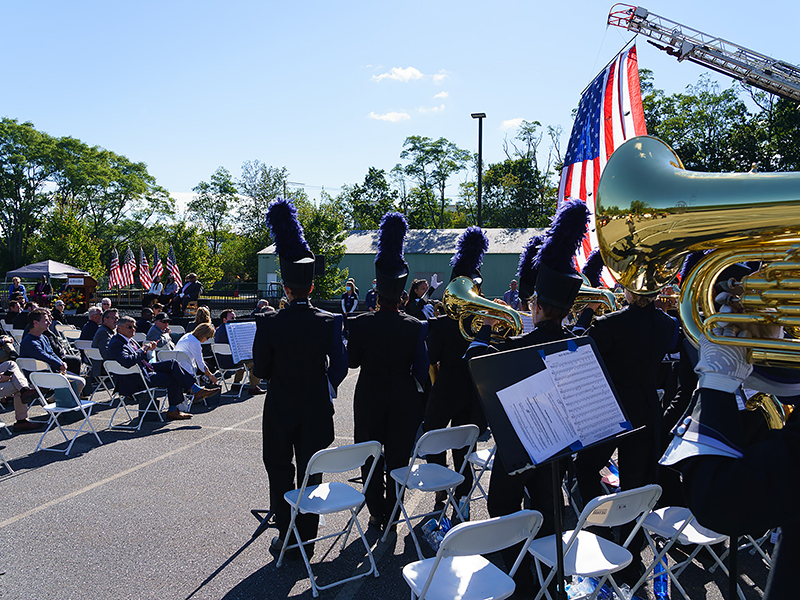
<point>462,300</point>
<point>592,295</point>
<point>651,212</point>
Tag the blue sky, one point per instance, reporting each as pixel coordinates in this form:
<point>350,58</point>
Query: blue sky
<point>327,89</point>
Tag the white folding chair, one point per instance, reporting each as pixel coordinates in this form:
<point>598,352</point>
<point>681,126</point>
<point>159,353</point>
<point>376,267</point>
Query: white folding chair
<point>112,367</point>
<point>459,571</point>
<point>480,461</point>
<point>96,360</point>
<point>224,357</point>
<point>62,327</point>
<point>56,381</point>
<point>82,344</point>
<point>71,335</point>
<point>430,477</point>
<point>3,458</point>
<point>140,337</point>
<point>332,497</point>
<point>677,525</point>
<point>589,555</point>
<point>181,357</point>
<point>31,365</point>
<point>176,332</point>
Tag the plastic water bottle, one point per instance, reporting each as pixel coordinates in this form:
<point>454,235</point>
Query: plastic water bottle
<point>427,532</point>
<point>661,582</point>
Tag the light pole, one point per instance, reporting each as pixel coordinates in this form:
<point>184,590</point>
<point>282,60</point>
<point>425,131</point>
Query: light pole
<point>480,117</point>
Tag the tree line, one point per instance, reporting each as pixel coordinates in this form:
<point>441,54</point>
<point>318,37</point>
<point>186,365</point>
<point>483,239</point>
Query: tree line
<point>64,200</point>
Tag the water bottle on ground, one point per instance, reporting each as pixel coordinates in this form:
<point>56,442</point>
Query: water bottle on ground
<point>661,582</point>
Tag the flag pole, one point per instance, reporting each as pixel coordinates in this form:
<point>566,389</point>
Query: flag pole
<point>605,66</point>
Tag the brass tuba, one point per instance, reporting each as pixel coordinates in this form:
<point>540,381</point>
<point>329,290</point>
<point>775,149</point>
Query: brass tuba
<point>651,212</point>
<point>592,295</point>
<point>462,300</point>
<point>774,413</point>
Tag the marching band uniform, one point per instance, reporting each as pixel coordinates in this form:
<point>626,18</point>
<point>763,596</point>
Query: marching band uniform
<point>300,351</point>
<point>389,347</point>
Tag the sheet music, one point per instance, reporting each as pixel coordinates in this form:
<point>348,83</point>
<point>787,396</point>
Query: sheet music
<point>240,338</point>
<point>527,323</point>
<point>539,415</point>
<point>588,398</point>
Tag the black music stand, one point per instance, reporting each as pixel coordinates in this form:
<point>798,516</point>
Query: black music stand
<point>495,372</point>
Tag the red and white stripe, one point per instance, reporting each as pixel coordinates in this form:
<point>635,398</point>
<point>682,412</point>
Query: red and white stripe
<point>115,276</point>
<point>144,270</point>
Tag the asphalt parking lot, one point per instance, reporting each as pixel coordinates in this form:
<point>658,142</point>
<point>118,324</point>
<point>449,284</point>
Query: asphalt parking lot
<point>165,514</point>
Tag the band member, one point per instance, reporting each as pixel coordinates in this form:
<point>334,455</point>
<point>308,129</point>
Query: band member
<point>452,399</point>
<point>546,268</point>
<point>419,304</point>
<point>300,351</point>
<point>389,346</point>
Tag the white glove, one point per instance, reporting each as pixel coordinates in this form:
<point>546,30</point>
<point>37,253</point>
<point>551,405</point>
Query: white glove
<point>428,311</point>
<point>722,368</point>
<point>435,283</point>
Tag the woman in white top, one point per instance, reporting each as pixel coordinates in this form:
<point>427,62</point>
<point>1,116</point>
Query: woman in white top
<point>192,345</point>
<point>154,292</point>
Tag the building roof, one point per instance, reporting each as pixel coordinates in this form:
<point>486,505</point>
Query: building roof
<point>437,241</point>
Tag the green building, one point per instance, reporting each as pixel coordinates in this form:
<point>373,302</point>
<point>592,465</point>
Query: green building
<point>427,251</point>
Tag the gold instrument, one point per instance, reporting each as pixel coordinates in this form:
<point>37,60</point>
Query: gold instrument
<point>774,413</point>
<point>462,300</point>
<point>651,212</point>
<point>592,295</point>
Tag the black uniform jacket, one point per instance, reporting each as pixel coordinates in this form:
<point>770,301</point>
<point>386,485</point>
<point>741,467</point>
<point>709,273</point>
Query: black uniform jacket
<point>300,351</point>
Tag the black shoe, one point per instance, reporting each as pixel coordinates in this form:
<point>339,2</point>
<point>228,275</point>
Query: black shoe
<point>376,522</point>
<point>294,554</point>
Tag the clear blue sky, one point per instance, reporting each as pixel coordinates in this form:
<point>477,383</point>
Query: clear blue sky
<point>327,89</point>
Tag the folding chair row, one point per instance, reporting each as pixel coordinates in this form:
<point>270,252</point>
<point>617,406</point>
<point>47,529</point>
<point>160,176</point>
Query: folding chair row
<point>224,358</point>
<point>113,368</point>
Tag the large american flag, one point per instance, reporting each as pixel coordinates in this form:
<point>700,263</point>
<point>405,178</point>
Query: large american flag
<point>610,112</point>
<point>115,277</point>
<point>144,270</point>
<point>172,267</point>
<point>128,267</point>
<point>158,268</point>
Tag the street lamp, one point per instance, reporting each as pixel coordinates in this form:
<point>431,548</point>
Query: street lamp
<point>480,117</point>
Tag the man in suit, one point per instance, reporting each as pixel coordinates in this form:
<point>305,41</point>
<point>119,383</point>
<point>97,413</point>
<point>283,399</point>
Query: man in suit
<point>164,374</point>
<point>105,332</point>
<point>191,290</point>
<point>92,325</point>
<point>300,352</point>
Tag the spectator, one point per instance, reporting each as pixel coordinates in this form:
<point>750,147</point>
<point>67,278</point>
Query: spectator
<point>90,328</point>
<point>261,308</point>
<point>511,297</point>
<point>169,291</point>
<point>372,297</point>
<point>105,332</point>
<point>166,374</point>
<point>191,290</point>
<point>13,311</point>
<point>105,304</point>
<point>154,293</point>
<point>13,382</point>
<point>42,292</point>
<point>21,320</point>
<point>192,344</point>
<point>144,324</point>
<point>160,334</point>
<point>349,298</point>
<point>17,291</point>
<point>58,312</point>
<point>37,345</point>
<point>203,315</point>
<point>221,337</point>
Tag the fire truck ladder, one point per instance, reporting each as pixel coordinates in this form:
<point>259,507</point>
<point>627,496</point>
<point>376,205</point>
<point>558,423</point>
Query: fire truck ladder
<point>775,76</point>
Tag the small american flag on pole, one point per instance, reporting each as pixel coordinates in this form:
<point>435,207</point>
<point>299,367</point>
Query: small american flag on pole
<point>158,268</point>
<point>115,277</point>
<point>128,267</point>
<point>144,270</point>
<point>610,112</point>
<point>172,267</point>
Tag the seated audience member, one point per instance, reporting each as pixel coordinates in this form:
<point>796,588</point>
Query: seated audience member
<point>221,337</point>
<point>192,344</point>
<point>154,293</point>
<point>144,324</point>
<point>163,374</point>
<point>203,315</point>
<point>58,312</point>
<point>262,308</point>
<point>36,344</point>
<point>42,292</point>
<point>21,320</point>
<point>13,382</point>
<point>105,332</point>
<point>13,311</point>
<point>191,290</point>
<point>105,304</point>
<point>90,327</point>
<point>169,291</point>
<point>160,333</point>
<point>16,291</point>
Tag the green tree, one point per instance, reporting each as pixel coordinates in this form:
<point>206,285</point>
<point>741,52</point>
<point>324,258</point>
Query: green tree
<point>212,205</point>
<point>66,238</point>
<point>364,205</point>
<point>192,252</point>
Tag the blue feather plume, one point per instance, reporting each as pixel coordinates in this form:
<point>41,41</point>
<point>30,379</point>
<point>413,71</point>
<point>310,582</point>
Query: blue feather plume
<point>526,270</point>
<point>286,230</point>
<point>594,267</point>
<point>390,241</point>
<point>470,248</point>
<point>564,237</point>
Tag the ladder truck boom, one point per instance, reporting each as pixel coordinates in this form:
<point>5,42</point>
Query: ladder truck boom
<point>753,68</point>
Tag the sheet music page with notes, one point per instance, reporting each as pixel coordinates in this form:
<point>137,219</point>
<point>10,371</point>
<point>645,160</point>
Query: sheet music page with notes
<point>593,410</point>
<point>240,339</point>
<point>539,415</point>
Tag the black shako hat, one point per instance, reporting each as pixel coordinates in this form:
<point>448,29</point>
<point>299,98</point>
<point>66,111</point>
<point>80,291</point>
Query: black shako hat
<point>527,272</point>
<point>557,283</point>
<point>296,258</point>
<point>471,246</point>
<point>391,271</point>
